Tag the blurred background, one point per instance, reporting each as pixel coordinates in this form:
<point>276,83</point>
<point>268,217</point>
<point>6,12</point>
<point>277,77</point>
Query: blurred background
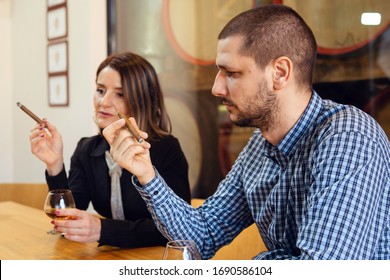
<point>179,38</point>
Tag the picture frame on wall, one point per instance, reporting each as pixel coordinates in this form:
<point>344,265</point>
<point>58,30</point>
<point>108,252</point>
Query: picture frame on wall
<point>57,57</point>
<point>57,24</point>
<point>53,3</point>
<point>58,90</point>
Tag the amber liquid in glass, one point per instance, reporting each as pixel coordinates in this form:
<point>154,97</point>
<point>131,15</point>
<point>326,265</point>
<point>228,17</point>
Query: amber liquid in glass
<point>51,214</point>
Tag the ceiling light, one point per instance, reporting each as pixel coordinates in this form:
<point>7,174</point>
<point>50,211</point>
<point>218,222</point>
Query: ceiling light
<point>370,18</point>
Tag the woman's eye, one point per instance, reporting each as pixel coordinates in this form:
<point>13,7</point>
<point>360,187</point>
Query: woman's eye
<point>119,94</point>
<point>99,91</point>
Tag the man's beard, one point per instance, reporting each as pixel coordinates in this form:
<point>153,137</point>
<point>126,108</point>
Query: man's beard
<point>259,111</point>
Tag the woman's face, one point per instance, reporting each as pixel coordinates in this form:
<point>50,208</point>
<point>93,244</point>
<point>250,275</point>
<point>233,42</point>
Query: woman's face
<point>108,97</point>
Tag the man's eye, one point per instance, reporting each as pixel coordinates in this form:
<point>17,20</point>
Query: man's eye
<point>229,74</point>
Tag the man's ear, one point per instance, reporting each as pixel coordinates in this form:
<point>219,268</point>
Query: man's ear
<point>282,67</point>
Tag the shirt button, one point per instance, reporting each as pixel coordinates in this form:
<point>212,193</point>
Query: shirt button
<point>155,193</point>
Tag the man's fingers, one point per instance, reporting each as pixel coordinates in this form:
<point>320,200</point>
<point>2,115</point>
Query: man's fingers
<point>110,131</point>
<point>144,135</point>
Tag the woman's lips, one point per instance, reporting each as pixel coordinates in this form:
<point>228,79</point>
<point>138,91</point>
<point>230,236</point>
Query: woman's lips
<point>105,114</point>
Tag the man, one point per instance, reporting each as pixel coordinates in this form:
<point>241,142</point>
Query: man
<point>314,176</point>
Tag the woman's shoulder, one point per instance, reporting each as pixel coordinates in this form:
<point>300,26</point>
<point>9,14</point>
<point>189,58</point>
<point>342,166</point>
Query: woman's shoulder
<point>166,144</point>
<point>90,139</point>
<point>90,143</point>
<point>166,140</point>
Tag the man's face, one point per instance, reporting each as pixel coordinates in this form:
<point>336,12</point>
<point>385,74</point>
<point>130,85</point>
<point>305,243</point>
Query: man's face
<point>243,87</point>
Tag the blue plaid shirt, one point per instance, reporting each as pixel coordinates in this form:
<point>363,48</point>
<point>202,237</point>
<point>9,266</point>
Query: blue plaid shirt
<point>322,193</point>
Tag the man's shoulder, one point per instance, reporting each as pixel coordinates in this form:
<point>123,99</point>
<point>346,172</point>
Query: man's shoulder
<point>341,118</point>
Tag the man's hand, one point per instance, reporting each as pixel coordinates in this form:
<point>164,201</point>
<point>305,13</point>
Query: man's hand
<point>128,152</point>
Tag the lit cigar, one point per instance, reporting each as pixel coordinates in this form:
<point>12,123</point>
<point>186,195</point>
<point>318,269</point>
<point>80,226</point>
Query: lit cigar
<point>133,131</point>
<point>31,114</point>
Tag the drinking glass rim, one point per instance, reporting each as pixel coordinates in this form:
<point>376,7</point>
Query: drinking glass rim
<point>60,191</point>
<point>181,243</point>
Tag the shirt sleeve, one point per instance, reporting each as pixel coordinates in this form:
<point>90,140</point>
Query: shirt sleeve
<point>216,223</point>
<point>60,181</point>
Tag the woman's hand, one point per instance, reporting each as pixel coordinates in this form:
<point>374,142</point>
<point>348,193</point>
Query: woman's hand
<point>81,227</point>
<point>46,144</point>
<point>127,152</point>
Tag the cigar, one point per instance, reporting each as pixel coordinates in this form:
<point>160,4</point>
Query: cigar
<point>131,128</point>
<point>28,112</point>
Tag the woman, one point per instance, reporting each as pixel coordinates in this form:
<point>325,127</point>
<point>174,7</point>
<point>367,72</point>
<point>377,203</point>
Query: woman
<point>126,83</point>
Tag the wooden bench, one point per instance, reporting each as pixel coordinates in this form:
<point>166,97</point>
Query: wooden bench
<point>24,193</point>
<point>244,247</point>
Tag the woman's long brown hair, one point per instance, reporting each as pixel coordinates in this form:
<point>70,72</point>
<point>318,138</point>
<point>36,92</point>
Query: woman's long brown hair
<point>142,92</point>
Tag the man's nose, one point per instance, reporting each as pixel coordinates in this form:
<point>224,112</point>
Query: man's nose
<point>219,86</point>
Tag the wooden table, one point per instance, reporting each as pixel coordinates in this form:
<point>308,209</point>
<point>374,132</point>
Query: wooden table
<point>23,237</point>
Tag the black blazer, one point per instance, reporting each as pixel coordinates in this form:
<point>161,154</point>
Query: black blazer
<point>90,182</point>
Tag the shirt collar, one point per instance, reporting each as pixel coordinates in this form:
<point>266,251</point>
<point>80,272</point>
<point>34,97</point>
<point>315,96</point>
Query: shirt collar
<point>309,116</point>
<point>284,150</point>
